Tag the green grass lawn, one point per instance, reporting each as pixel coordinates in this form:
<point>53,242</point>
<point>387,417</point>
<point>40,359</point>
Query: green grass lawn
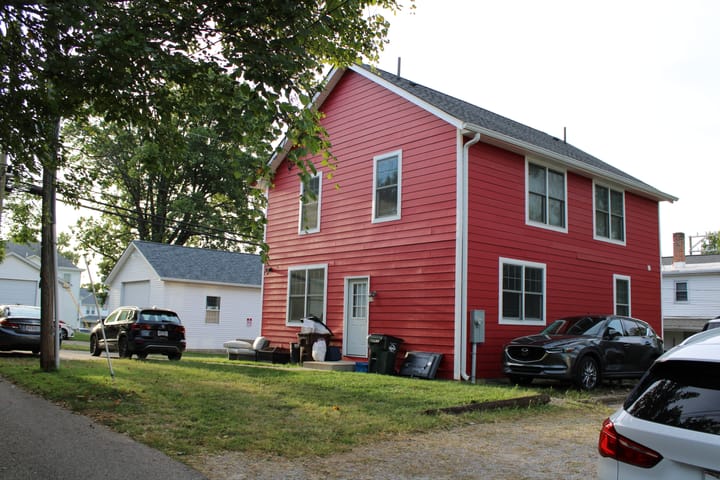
<point>208,404</point>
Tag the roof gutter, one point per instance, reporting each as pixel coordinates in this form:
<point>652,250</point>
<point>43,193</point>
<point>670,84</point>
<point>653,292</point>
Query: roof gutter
<point>461,257</point>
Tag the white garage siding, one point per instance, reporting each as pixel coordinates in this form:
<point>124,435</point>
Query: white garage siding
<point>239,312</point>
<point>24,292</point>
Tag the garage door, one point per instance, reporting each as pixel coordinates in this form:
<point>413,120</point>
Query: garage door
<point>136,293</point>
<point>23,292</point>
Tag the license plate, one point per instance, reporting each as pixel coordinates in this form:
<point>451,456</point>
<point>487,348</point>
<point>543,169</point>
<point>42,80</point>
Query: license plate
<point>162,333</point>
<point>32,328</point>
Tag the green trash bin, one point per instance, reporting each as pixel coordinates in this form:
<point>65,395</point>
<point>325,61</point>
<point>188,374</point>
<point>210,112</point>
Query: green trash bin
<point>383,351</point>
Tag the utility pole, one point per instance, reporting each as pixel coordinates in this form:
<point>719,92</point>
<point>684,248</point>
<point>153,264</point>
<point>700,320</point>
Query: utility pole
<point>49,351</point>
<point>3,180</point>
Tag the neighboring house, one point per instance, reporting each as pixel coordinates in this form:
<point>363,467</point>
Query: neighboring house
<point>690,292</point>
<point>439,208</point>
<point>89,314</point>
<point>20,280</point>
<point>216,294</point>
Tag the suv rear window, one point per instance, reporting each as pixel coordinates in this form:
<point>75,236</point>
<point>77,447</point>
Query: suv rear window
<point>159,316</point>
<point>680,394</point>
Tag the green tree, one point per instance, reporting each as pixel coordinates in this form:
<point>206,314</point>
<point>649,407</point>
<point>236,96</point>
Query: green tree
<point>124,61</point>
<point>711,244</point>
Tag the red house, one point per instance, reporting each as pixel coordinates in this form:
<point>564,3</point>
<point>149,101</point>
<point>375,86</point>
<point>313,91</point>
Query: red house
<point>439,208</point>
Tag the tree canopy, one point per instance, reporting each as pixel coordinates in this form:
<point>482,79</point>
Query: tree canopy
<point>172,108</point>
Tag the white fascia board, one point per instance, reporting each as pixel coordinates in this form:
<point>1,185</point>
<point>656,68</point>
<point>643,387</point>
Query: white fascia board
<point>573,164</point>
<point>454,121</point>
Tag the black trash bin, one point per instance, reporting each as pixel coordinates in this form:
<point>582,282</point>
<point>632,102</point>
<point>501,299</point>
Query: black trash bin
<point>382,353</point>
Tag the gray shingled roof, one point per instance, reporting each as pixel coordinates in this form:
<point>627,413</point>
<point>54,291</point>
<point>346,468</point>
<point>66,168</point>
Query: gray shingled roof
<point>488,120</point>
<point>201,265</point>
<point>33,250</point>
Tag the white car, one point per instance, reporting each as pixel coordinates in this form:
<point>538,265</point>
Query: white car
<point>66,331</point>
<point>669,426</point>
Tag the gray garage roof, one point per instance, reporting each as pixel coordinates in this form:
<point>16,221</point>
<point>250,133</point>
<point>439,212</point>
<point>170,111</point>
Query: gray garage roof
<point>172,262</point>
<point>29,250</point>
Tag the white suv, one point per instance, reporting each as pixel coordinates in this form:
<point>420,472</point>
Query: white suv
<point>669,426</point>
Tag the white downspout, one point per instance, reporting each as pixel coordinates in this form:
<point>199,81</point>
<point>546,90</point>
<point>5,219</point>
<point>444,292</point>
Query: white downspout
<point>463,249</point>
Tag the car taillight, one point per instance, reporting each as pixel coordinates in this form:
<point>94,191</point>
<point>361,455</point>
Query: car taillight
<point>140,326</point>
<point>8,324</point>
<point>622,449</point>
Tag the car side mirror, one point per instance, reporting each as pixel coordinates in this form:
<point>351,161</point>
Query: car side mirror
<point>612,334</point>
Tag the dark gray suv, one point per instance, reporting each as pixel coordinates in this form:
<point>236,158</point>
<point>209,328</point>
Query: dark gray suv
<point>139,331</point>
<point>584,349</point>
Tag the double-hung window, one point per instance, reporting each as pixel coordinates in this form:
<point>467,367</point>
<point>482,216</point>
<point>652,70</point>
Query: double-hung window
<point>522,292</point>
<point>387,182</point>
<point>622,295</point>
<point>681,292</point>
<point>310,192</point>
<point>609,214</point>
<point>306,292</point>
<point>546,194</point>
<point>212,309</point>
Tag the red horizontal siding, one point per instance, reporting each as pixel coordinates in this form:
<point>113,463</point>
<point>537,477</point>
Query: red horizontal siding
<point>410,262</point>
<point>579,269</point>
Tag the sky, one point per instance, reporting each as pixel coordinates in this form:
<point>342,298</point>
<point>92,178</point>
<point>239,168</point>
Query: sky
<point>634,83</point>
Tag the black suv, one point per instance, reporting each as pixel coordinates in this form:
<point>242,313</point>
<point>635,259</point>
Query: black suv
<point>584,349</point>
<point>139,331</point>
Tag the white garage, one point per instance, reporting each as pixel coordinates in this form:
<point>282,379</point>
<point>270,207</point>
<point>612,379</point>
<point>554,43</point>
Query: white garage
<point>217,294</point>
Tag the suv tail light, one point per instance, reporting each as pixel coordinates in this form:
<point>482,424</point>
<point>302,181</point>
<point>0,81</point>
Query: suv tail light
<point>614,445</point>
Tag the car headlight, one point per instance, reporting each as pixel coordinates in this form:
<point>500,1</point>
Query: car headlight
<point>569,349</point>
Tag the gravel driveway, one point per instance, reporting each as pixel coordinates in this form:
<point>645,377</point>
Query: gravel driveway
<point>561,443</point>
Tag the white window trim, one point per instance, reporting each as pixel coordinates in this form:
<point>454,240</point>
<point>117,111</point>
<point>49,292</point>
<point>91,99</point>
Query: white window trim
<point>512,321</point>
<point>617,277</point>
<point>595,234</point>
<point>301,230</point>
<point>687,292</point>
<point>528,161</point>
<point>324,266</point>
<point>376,159</point>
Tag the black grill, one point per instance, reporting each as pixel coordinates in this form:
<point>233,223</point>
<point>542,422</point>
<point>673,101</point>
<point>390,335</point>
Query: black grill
<point>525,354</point>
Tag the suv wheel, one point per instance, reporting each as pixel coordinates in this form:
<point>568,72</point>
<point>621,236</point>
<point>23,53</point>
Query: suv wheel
<point>142,356</point>
<point>174,356</point>
<point>94,347</point>
<point>124,348</point>
<point>587,375</point>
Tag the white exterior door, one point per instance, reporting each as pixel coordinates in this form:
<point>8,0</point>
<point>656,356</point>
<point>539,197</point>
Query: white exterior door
<point>356,316</point>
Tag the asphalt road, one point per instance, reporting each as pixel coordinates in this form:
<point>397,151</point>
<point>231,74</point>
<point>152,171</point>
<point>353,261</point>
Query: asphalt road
<point>39,440</point>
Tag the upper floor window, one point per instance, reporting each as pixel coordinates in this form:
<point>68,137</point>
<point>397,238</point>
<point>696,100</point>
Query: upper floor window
<point>609,214</point>
<point>522,292</point>
<point>622,295</point>
<point>212,309</point>
<point>546,195</point>
<point>310,204</point>
<point>306,292</point>
<point>681,291</point>
<point>387,186</point>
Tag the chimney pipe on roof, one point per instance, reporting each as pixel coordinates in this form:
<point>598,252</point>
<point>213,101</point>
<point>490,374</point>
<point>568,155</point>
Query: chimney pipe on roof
<point>678,248</point>
<point>398,69</point>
